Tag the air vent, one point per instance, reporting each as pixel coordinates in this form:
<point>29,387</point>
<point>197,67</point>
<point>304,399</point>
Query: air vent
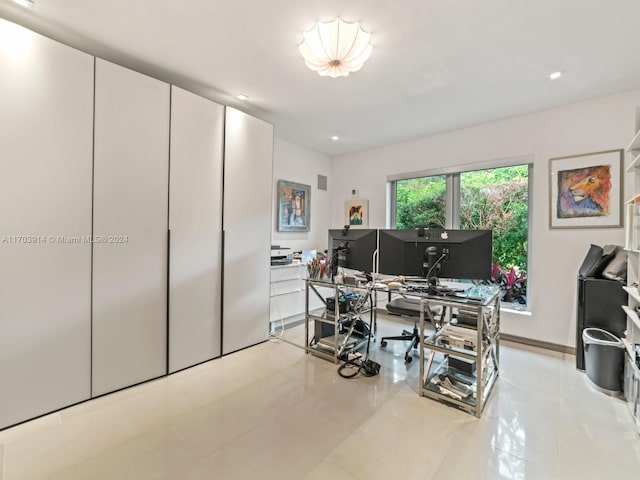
<point>322,182</point>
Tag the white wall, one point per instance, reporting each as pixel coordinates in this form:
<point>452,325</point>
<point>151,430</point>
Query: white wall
<point>602,124</point>
<point>298,164</point>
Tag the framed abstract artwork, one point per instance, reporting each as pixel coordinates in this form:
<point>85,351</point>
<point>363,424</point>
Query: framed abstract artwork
<point>585,191</point>
<point>357,213</point>
<point>294,206</point>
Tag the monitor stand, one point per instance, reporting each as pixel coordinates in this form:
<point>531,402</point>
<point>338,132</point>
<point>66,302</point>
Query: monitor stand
<point>436,288</point>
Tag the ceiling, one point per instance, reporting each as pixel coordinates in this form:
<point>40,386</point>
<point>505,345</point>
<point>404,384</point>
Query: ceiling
<point>437,65</point>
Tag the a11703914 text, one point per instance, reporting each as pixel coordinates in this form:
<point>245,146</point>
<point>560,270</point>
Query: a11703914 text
<point>62,239</point>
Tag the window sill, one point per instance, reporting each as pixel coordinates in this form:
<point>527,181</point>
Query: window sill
<point>524,313</point>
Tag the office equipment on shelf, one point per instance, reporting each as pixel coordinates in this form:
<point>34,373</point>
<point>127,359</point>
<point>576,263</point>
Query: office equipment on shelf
<point>435,254</point>
<point>340,328</point>
<point>460,337</point>
<point>281,255</point>
<point>462,365</point>
<point>470,356</point>
<point>452,386</point>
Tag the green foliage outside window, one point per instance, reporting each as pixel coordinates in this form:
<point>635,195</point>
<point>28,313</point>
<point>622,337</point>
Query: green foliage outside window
<point>494,199</point>
<point>420,201</point>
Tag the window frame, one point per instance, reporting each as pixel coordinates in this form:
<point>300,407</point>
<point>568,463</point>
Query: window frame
<point>452,198</point>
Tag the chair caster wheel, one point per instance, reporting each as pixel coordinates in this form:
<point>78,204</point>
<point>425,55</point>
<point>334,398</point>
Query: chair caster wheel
<point>383,343</point>
<point>408,359</point>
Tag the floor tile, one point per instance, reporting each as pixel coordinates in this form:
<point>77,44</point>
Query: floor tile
<point>273,412</point>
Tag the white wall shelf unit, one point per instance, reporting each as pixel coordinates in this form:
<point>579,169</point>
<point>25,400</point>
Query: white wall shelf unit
<point>632,245</point>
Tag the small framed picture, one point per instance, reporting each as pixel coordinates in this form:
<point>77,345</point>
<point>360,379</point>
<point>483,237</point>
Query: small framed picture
<point>357,213</point>
<point>294,206</point>
<point>585,191</point>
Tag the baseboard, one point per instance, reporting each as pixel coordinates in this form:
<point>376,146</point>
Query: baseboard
<point>523,340</point>
<point>538,343</point>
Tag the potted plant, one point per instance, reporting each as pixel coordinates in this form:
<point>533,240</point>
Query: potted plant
<point>512,281</point>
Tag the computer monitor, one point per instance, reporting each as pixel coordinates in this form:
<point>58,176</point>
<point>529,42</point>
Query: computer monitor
<point>430,254</point>
<point>353,248</point>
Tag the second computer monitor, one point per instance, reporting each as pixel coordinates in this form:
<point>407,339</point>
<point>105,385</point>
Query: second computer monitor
<point>462,254</point>
<point>353,248</point>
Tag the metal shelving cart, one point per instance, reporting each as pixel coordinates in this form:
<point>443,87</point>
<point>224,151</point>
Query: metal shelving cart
<point>470,352</point>
<point>335,328</point>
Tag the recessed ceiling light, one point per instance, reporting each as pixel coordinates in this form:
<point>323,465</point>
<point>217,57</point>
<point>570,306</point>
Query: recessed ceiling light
<point>555,75</point>
<point>335,137</point>
<point>25,3</point>
<point>242,96</point>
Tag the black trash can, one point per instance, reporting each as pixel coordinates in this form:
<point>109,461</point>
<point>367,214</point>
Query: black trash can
<point>603,358</point>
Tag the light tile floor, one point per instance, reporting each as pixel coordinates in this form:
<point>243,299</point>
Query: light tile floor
<point>272,412</point>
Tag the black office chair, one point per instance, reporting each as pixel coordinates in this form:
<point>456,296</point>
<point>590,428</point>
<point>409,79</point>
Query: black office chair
<point>408,308</point>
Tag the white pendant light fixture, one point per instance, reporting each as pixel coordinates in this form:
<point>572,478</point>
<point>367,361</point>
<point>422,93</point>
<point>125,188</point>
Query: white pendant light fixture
<point>335,49</point>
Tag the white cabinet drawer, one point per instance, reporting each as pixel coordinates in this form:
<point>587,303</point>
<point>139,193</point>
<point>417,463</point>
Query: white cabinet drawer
<point>279,274</point>
<point>286,286</point>
<point>288,305</point>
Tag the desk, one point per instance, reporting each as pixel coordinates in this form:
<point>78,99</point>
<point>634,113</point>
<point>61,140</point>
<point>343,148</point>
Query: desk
<point>475,347</point>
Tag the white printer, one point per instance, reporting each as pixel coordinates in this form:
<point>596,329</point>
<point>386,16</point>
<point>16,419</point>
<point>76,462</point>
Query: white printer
<point>281,255</point>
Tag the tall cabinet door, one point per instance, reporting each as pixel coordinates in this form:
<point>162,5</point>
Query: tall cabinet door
<point>248,165</point>
<point>130,228</point>
<point>195,223</point>
<point>46,118</point>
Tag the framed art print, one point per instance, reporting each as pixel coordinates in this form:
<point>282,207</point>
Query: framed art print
<point>357,213</point>
<point>585,191</point>
<point>294,206</point>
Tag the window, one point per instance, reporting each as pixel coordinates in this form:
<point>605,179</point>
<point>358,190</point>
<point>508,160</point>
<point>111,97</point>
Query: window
<point>492,198</point>
<point>421,201</point>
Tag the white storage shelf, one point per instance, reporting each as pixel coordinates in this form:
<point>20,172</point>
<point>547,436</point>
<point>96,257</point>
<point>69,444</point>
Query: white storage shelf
<point>635,163</point>
<point>632,244</point>
<point>288,292</point>
<point>634,146</point>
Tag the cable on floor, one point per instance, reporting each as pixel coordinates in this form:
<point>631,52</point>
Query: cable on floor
<point>365,366</point>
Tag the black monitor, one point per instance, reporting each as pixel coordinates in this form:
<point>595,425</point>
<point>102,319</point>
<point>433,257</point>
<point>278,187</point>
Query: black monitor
<point>430,254</point>
<point>353,248</point>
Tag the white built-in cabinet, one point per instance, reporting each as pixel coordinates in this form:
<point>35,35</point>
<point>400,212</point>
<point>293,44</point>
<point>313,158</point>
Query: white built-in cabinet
<point>248,174</point>
<point>130,201</point>
<point>288,292</point>
<point>113,190</point>
<point>46,129</point>
<point>195,223</point>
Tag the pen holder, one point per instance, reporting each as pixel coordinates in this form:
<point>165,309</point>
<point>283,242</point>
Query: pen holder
<point>315,270</point>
